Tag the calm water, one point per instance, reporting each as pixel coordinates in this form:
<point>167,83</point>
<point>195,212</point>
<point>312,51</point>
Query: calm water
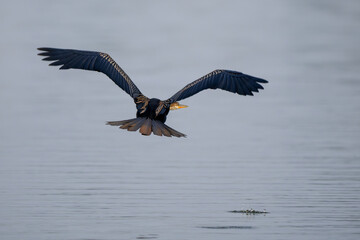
<point>293,149</point>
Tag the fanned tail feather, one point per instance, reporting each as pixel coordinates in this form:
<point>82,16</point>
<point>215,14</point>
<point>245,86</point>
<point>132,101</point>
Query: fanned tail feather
<point>138,122</point>
<point>173,132</point>
<point>147,126</point>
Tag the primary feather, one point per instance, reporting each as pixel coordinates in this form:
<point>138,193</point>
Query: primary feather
<point>90,60</point>
<point>228,80</point>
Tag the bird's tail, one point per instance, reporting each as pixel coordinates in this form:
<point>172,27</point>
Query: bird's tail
<point>146,126</point>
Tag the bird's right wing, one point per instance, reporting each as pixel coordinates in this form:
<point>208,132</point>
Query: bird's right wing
<point>228,80</point>
<point>89,60</point>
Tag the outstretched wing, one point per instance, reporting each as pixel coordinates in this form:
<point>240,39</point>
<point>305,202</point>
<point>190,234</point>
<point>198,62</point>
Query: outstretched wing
<point>231,81</point>
<point>89,60</point>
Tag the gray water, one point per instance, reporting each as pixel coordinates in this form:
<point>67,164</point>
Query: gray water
<point>293,149</point>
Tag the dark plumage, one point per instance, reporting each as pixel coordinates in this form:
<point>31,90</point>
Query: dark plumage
<point>151,113</point>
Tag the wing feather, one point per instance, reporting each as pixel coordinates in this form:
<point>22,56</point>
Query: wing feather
<point>228,80</point>
<point>89,60</point>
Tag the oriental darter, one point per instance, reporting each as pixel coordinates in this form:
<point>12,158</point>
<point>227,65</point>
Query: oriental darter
<point>151,112</point>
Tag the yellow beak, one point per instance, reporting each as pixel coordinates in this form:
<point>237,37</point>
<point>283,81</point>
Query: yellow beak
<point>182,106</point>
<point>177,105</point>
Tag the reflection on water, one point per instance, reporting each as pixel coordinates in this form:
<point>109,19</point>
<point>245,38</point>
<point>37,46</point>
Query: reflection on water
<point>293,149</point>
<point>229,227</point>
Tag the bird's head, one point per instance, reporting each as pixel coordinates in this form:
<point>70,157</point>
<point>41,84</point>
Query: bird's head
<point>176,105</point>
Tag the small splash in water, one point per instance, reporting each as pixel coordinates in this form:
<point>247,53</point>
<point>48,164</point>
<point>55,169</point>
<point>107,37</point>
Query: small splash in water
<point>250,211</point>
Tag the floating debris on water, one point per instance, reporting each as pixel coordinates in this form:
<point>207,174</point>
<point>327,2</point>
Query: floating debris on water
<point>250,211</point>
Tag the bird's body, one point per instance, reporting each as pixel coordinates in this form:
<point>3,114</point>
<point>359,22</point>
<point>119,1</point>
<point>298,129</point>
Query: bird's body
<point>152,110</point>
<point>151,113</point>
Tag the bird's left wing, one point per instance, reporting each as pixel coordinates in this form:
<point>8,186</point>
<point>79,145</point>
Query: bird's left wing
<point>89,60</point>
<point>228,80</point>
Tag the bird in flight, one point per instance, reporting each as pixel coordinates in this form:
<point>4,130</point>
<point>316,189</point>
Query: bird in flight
<point>151,112</point>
